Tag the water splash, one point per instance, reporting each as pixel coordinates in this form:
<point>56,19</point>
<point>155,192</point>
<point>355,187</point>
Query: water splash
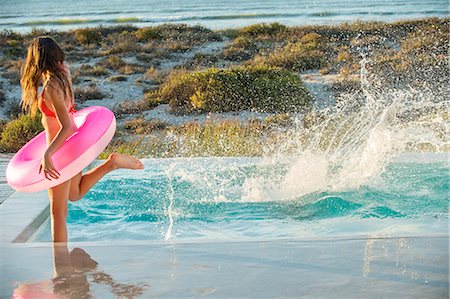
<point>351,142</point>
<point>170,195</point>
<point>327,178</point>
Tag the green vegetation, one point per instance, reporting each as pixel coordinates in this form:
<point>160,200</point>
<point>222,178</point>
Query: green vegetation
<point>281,120</point>
<point>250,40</point>
<point>113,62</point>
<point>224,138</point>
<point>2,97</point>
<point>90,92</point>
<point>142,126</point>
<point>196,34</point>
<point>257,70</point>
<point>148,34</point>
<point>130,107</point>
<point>87,36</point>
<point>422,54</point>
<point>12,44</point>
<point>201,60</point>
<point>12,71</point>
<point>118,78</point>
<point>394,48</point>
<point>88,71</point>
<point>260,88</point>
<point>307,53</point>
<point>271,29</point>
<point>19,131</point>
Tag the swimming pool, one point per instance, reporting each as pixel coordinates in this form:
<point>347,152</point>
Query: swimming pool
<point>231,199</point>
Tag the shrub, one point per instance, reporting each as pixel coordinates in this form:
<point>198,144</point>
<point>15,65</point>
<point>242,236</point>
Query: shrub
<point>345,86</point>
<point>121,43</point>
<point>279,120</point>
<point>3,123</point>
<point>263,29</point>
<point>250,40</point>
<point>19,131</point>
<point>166,38</point>
<point>114,62</point>
<point>2,97</point>
<point>245,47</point>
<point>129,69</point>
<point>88,93</point>
<point>223,138</point>
<point>87,70</point>
<point>13,71</point>
<point>236,53</point>
<point>426,40</point>
<point>153,52</point>
<point>143,126</point>
<point>307,53</point>
<point>7,35</point>
<point>12,44</point>
<point>201,60</point>
<point>87,36</point>
<point>195,34</point>
<point>172,45</point>
<point>110,30</point>
<point>130,147</point>
<point>153,99</point>
<point>313,119</point>
<point>131,107</point>
<point>118,78</point>
<point>13,109</point>
<point>149,33</point>
<point>343,56</point>
<point>160,75</point>
<point>265,89</point>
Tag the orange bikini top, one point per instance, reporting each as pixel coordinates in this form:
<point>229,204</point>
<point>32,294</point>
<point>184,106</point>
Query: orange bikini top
<point>46,111</point>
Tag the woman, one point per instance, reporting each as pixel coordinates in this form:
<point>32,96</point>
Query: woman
<point>45,65</point>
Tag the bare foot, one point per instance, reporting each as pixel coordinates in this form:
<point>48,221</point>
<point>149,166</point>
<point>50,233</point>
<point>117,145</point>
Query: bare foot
<point>125,161</point>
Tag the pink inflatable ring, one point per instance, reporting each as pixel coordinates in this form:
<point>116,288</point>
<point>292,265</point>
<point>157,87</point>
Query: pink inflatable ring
<point>95,128</point>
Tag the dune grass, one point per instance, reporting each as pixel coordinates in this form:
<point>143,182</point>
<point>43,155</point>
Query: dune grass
<point>193,139</point>
<point>17,132</point>
<point>262,63</point>
<point>260,88</point>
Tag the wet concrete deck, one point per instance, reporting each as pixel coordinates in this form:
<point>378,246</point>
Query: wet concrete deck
<point>345,268</point>
<point>20,213</point>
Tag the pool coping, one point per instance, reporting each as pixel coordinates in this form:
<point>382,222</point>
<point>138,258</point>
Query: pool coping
<point>22,214</point>
<point>183,242</point>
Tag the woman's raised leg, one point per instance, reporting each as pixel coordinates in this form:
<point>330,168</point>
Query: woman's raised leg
<point>59,196</point>
<point>81,184</point>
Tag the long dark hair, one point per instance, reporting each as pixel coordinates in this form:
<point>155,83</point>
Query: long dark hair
<point>44,56</point>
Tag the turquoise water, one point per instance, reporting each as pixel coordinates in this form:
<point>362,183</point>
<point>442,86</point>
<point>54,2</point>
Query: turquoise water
<point>22,15</point>
<point>215,199</point>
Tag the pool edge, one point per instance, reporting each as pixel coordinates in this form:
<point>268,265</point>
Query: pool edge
<point>21,216</point>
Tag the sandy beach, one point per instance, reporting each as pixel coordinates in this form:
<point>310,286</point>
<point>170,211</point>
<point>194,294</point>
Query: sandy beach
<point>133,71</point>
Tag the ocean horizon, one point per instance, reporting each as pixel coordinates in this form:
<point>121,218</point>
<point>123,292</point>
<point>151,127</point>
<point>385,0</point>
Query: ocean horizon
<point>24,15</point>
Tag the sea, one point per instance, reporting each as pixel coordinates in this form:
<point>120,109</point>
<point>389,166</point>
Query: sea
<point>24,15</point>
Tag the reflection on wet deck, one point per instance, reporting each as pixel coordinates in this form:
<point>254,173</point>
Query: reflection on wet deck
<point>390,267</point>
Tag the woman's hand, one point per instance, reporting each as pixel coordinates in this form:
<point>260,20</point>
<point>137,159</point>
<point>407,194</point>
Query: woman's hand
<point>48,168</point>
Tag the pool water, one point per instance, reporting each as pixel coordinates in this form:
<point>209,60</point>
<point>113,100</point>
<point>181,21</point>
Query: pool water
<point>242,198</point>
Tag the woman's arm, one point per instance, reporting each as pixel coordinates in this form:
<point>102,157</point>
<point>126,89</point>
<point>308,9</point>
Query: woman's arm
<point>55,97</point>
